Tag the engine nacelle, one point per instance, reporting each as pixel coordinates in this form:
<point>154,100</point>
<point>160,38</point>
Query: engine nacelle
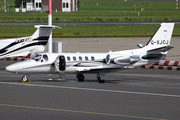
<point>125,60</point>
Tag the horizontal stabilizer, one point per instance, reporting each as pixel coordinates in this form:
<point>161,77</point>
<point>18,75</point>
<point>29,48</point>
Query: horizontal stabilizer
<point>43,30</point>
<point>161,49</point>
<point>46,26</point>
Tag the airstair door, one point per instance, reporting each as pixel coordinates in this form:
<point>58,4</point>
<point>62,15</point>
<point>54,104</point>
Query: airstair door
<point>62,63</point>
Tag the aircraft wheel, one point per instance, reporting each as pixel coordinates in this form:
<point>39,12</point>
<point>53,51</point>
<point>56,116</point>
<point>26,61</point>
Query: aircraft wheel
<point>99,79</point>
<point>80,77</point>
<point>25,79</point>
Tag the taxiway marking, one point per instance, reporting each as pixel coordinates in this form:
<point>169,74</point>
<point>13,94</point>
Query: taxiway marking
<point>76,111</point>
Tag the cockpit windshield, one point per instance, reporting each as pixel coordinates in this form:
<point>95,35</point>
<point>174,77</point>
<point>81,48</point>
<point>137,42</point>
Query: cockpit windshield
<point>45,57</point>
<point>41,58</point>
<point>38,57</point>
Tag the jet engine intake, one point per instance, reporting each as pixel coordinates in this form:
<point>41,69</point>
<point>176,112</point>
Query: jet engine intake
<point>107,59</point>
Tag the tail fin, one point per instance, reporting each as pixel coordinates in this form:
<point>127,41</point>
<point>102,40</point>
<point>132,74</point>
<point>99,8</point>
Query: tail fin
<point>159,44</point>
<point>41,36</point>
<point>162,36</point>
<point>26,45</point>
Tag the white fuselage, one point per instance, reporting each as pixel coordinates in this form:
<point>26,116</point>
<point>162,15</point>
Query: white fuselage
<point>82,62</point>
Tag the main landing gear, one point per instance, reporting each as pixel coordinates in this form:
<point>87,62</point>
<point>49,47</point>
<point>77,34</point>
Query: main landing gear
<point>100,77</point>
<point>80,77</point>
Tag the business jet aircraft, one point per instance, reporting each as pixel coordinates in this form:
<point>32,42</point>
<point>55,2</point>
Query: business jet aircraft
<point>25,45</point>
<point>98,63</point>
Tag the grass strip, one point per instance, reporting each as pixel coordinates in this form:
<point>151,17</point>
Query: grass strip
<point>87,31</point>
<point>105,11</point>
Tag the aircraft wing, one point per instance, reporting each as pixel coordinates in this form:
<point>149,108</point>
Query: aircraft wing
<point>25,53</point>
<point>95,70</point>
<point>161,49</point>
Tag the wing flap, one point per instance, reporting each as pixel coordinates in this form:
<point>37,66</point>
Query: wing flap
<point>95,70</point>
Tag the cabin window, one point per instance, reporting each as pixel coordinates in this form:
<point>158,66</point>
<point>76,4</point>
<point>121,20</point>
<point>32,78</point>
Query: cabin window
<point>68,58</point>
<point>74,58</point>
<point>45,57</point>
<point>92,58</point>
<point>80,58</point>
<point>86,58</point>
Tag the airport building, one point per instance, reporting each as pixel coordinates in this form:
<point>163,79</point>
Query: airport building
<point>61,5</point>
<point>34,5</point>
<point>42,5</point>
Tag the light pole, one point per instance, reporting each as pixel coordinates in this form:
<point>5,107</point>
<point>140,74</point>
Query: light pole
<point>176,4</point>
<point>50,23</point>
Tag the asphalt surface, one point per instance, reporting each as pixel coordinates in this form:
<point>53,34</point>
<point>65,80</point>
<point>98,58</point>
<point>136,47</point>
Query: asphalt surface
<point>83,23</point>
<point>132,94</point>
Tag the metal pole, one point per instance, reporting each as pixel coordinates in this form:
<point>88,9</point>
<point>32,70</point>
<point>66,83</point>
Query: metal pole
<point>50,23</point>
<point>176,4</point>
<point>5,6</point>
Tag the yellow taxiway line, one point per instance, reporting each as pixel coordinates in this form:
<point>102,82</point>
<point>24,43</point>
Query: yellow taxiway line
<point>85,112</point>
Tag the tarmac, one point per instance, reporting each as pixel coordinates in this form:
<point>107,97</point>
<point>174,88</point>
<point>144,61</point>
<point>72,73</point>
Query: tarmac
<point>131,94</point>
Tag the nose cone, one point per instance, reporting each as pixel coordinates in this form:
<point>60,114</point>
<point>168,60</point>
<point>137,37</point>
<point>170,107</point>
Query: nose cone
<point>16,67</point>
<point>11,68</point>
<point>19,67</point>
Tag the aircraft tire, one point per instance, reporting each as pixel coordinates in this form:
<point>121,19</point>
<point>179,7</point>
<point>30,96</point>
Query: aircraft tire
<point>99,79</point>
<point>80,77</point>
<point>24,79</point>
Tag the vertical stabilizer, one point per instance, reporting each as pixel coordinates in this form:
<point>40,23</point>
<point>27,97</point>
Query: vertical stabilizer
<point>24,46</point>
<point>162,36</point>
<point>158,46</point>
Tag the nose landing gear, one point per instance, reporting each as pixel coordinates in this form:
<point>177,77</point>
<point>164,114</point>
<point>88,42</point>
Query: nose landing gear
<point>25,79</point>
